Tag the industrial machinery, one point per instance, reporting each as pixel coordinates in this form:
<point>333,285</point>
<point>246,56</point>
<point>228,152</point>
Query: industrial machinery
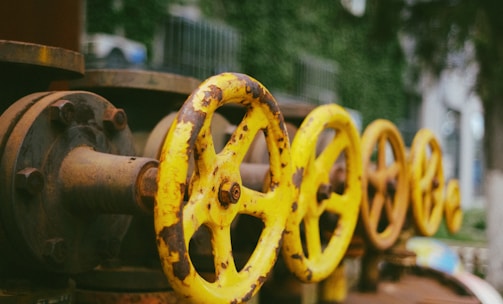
<point>205,200</point>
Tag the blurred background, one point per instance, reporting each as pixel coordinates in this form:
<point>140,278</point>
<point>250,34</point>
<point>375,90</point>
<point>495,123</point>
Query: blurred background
<point>419,63</point>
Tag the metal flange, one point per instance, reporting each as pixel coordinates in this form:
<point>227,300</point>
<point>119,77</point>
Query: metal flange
<point>49,144</point>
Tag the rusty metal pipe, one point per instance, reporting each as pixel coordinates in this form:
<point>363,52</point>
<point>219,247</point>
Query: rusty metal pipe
<point>96,182</point>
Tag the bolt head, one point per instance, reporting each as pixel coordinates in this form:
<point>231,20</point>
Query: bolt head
<point>229,193</point>
<point>115,119</point>
<point>62,111</point>
<point>30,180</point>
<point>324,192</point>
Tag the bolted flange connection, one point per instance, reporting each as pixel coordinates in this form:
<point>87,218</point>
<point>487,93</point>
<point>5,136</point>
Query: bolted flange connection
<point>62,111</point>
<point>324,192</point>
<point>115,119</point>
<point>229,193</point>
<point>30,180</point>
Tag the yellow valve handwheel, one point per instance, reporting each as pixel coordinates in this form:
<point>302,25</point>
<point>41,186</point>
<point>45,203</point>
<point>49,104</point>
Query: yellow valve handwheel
<point>453,212</point>
<point>317,195</point>
<point>216,194</point>
<point>427,182</point>
<point>385,184</point>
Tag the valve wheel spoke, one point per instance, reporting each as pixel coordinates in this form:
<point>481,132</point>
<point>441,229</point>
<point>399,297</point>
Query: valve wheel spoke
<point>243,135</point>
<point>225,268</point>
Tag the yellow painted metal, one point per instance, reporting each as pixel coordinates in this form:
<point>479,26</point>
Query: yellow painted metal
<point>453,211</point>
<point>176,221</point>
<point>427,182</point>
<point>317,196</point>
<point>334,289</point>
<point>385,184</point>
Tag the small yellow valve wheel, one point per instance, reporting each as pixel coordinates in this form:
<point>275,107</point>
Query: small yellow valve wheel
<point>427,182</point>
<point>453,211</point>
<point>215,194</point>
<point>385,184</point>
<point>318,196</point>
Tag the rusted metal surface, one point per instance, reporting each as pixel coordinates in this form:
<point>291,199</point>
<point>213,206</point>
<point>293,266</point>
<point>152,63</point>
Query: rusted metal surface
<point>27,67</point>
<point>419,285</point>
<point>124,279</point>
<point>97,183</point>
<point>111,297</point>
<point>35,288</point>
<point>65,64</point>
<point>136,79</point>
<point>146,96</point>
<point>38,133</point>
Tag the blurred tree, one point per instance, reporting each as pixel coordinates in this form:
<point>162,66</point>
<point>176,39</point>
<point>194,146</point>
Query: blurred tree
<point>443,27</point>
<point>138,18</point>
<point>275,33</point>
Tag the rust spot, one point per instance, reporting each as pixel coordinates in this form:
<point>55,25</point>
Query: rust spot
<point>245,128</point>
<point>183,188</point>
<point>174,240</point>
<point>215,173</point>
<point>209,206</point>
<point>296,256</point>
<point>214,93</point>
<point>297,177</point>
<point>188,114</point>
<point>262,279</point>
<point>249,295</point>
<point>309,275</point>
<point>241,136</point>
<point>224,265</point>
<point>283,165</point>
<point>280,150</point>
<point>294,206</point>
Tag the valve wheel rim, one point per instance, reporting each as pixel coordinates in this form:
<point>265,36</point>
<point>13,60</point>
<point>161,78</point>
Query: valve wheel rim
<point>394,205</point>
<point>453,211</point>
<point>427,182</point>
<point>313,173</point>
<point>176,221</point>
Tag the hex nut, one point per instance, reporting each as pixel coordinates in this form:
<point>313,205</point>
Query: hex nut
<point>114,119</point>
<point>30,180</point>
<point>62,111</point>
<point>229,193</point>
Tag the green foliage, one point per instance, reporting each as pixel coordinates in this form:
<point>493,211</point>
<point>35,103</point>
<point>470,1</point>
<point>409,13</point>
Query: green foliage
<point>473,228</point>
<point>138,18</point>
<point>276,32</point>
<point>101,16</point>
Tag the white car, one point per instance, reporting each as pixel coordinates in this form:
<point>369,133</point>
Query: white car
<point>112,51</point>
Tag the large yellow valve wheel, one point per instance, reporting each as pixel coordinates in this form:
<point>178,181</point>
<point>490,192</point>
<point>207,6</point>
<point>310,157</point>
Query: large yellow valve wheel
<point>385,184</point>
<point>427,182</point>
<point>215,192</point>
<point>453,212</point>
<point>317,195</point>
